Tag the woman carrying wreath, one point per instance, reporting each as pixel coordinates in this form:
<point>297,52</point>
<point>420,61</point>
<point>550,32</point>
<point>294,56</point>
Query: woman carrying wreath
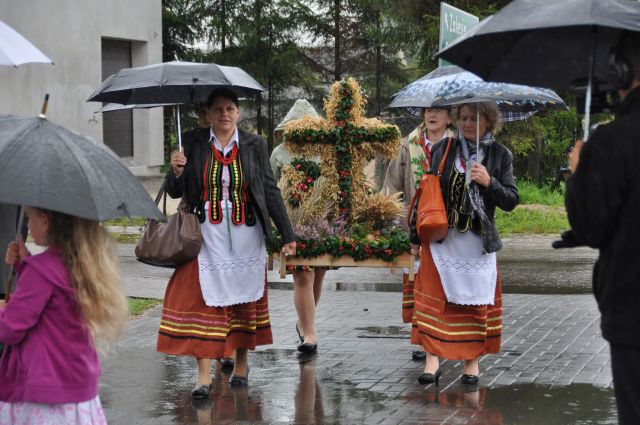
<point>404,174</point>
<point>217,302</point>
<point>458,298</point>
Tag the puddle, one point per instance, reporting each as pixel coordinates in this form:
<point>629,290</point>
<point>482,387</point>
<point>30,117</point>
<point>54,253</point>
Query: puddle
<point>291,389</point>
<point>572,404</point>
<point>399,332</point>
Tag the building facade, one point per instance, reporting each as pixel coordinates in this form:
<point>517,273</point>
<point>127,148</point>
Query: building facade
<point>88,40</point>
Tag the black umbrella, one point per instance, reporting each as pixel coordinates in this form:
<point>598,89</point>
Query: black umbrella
<point>174,83</point>
<point>545,43</point>
<point>45,165</point>
<point>548,43</point>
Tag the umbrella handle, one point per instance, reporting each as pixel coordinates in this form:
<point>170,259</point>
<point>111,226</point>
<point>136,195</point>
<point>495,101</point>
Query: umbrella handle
<point>9,284</point>
<point>45,104</point>
<point>179,129</point>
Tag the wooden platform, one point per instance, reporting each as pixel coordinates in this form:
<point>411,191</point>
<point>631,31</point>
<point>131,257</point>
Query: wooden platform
<point>405,260</point>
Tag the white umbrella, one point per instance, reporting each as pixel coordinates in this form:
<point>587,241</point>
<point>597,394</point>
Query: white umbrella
<point>16,50</point>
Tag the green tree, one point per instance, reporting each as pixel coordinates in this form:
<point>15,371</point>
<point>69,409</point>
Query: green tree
<point>418,26</point>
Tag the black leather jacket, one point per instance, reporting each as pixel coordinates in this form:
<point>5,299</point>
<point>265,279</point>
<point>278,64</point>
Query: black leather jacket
<point>264,195</point>
<point>603,206</point>
<point>502,191</point>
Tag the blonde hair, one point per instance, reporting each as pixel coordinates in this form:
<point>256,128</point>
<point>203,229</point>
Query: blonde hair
<point>488,109</point>
<point>89,253</point>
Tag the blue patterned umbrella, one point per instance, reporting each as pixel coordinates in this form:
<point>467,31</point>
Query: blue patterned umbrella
<point>451,85</point>
<point>466,87</point>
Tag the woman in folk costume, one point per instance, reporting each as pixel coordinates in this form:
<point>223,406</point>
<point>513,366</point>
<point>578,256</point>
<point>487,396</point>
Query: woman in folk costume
<point>217,303</point>
<point>307,280</point>
<point>404,174</point>
<point>458,298</point>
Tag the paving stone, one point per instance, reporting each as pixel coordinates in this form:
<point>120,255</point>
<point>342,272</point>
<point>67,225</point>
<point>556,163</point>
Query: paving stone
<point>548,339</point>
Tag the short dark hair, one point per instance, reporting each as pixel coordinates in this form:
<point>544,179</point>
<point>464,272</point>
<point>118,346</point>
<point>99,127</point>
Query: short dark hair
<point>224,93</point>
<point>629,48</point>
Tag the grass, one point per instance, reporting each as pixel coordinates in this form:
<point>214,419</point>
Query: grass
<point>126,238</point>
<point>533,194</point>
<point>127,221</point>
<point>137,306</point>
<point>541,211</point>
<point>532,219</point>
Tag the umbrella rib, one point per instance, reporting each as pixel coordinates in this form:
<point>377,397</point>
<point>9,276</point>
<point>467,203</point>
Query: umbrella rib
<point>75,158</point>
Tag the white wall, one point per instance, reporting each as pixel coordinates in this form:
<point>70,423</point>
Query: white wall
<point>70,33</point>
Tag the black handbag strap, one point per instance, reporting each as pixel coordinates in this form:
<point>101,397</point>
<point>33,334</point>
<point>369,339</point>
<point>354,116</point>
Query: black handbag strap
<point>162,193</point>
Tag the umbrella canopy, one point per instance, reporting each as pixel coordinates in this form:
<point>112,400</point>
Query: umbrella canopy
<point>450,85</point>
<point>546,43</point>
<point>466,87</point>
<point>16,50</point>
<point>173,82</point>
<point>51,167</point>
<point>110,107</point>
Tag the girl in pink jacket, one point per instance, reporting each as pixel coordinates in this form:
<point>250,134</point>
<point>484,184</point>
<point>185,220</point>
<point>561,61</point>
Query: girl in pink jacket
<point>68,302</point>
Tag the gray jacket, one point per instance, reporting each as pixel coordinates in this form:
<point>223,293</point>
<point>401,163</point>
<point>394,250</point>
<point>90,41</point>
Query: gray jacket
<point>399,177</point>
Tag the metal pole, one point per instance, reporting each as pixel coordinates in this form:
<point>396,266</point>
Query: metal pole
<point>477,132</point>
<point>586,123</point>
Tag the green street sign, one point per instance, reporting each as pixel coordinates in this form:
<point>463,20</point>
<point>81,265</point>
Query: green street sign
<point>453,23</point>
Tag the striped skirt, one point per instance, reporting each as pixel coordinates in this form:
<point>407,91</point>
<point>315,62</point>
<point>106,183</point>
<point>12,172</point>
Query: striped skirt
<point>407,298</point>
<point>189,327</point>
<point>452,331</point>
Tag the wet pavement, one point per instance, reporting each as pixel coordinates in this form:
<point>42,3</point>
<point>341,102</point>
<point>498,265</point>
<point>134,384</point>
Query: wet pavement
<point>554,367</point>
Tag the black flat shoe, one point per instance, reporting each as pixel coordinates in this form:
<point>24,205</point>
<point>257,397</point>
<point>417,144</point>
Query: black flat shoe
<point>201,391</point>
<point>239,381</point>
<point>299,336</point>
<point>419,355</point>
<point>430,378</point>
<point>469,379</point>
<point>307,347</point>
<point>227,364</point>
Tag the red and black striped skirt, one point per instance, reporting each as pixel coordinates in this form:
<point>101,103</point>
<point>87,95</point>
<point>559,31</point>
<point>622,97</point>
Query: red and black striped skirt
<point>452,331</point>
<point>189,327</point>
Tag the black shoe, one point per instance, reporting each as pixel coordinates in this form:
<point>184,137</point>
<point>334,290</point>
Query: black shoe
<point>469,379</point>
<point>239,381</point>
<point>299,336</point>
<point>227,364</point>
<point>307,347</point>
<point>429,378</point>
<point>201,391</point>
<point>419,355</point>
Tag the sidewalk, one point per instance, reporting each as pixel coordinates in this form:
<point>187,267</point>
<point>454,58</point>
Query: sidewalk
<point>553,368</point>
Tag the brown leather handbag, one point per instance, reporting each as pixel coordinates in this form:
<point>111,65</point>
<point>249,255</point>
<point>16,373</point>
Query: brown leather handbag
<point>170,243</point>
<point>431,221</point>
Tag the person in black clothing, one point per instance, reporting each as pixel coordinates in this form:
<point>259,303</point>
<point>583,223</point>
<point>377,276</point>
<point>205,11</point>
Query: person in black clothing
<point>603,205</point>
